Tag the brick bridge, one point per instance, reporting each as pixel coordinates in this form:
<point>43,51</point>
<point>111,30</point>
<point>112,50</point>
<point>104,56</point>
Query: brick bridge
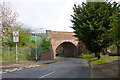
<point>65,43</point>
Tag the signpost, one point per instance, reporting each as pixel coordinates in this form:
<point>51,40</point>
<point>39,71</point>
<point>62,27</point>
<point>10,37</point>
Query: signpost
<point>36,44</point>
<point>16,39</point>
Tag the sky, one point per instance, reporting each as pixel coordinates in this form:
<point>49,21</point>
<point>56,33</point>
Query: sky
<point>47,14</point>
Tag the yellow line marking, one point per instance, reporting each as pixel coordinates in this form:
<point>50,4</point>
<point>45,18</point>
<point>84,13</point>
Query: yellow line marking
<point>21,65</point>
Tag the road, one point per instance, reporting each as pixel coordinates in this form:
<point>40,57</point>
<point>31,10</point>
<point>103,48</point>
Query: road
<point>69,68</point>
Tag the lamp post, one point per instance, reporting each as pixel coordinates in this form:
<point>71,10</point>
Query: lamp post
<point>36,44</point>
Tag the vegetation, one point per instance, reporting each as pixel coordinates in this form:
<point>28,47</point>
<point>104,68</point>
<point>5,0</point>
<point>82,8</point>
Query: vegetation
<point>92,23</point>
<point>115,34</point>
<point>24,52</point>
<point>23,37</point>
<point>8,18</point>
<point>91,58</point>
<point>59,54</point>
<point>102,60</point>
<point>46,45</point>
<point>42,41</point>
<point>9,24</point>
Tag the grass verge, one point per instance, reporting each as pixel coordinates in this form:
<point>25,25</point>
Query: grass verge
<point>93,59</point>
<point>102,60</point>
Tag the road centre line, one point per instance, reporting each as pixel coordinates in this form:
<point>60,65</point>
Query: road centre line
<point>47,74</point>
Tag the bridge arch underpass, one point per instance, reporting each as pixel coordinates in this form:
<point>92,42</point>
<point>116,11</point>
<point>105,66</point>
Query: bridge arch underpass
<point>65,40</point>
<point>67,49</point>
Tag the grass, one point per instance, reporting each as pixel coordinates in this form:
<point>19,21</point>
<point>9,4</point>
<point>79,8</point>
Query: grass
<point>93,59</point>
<point>90,57</point>
<point>100,61</point>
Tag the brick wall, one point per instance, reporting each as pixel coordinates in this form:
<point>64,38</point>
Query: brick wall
<point>82,49</point>
<point>59,49</point>
<point>46,55</point>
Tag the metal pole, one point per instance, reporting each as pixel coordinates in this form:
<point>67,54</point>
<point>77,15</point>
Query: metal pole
<point>16,53</point>
<point>40,52</point>
<point>8,52</point>
<point>36,46</point>
<point>29,51</point>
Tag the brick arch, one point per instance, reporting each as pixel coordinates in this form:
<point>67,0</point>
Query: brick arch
<point>59,37</point>
<point>64,42</point>
<point>69,49</point>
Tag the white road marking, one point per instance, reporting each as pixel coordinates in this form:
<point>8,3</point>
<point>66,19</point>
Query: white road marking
<point>15,69</point>
<point>12,70</point>
<point>19,69</point>
<point>28,67</point>
<point>0,72</point>
<point>47,74</point>
<point>4,72</point>
<point>33,66</point>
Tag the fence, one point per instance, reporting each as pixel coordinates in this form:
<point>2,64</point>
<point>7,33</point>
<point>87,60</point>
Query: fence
<point>9,53</point>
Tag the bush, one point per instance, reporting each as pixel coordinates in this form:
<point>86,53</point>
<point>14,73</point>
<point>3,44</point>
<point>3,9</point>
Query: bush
<point>46,45</point>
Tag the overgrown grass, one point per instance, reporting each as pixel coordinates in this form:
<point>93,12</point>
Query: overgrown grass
<point>93,59</point>
<point>100,61</point>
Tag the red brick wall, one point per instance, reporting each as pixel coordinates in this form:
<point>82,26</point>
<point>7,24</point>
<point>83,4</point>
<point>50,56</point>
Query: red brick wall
<point>82,49</point>
<point>47,55</point>
<point>59,49</point>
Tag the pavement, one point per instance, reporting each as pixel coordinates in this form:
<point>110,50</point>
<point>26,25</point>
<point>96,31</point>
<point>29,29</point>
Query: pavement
<point>106,70</point>
<point>26,63</point>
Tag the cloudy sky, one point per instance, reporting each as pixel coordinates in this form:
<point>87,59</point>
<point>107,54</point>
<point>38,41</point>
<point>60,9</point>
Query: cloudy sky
<point>48,14</point>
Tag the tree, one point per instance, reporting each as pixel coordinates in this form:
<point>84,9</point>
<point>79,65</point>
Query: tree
<point>24,35</point>
<point>7,17</point>
<point>9,24</point>
<point>91,23</point>
<point>115,23</point>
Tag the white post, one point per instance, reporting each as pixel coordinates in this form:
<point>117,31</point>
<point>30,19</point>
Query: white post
<point>16,39</point>
<point>16,53</point>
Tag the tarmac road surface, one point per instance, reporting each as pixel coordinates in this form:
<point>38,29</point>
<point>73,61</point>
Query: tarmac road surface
<point>69,68</point>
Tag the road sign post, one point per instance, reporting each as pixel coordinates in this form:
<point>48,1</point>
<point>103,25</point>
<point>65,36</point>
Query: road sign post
<point>16,53</point>
<point>16,39</point>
